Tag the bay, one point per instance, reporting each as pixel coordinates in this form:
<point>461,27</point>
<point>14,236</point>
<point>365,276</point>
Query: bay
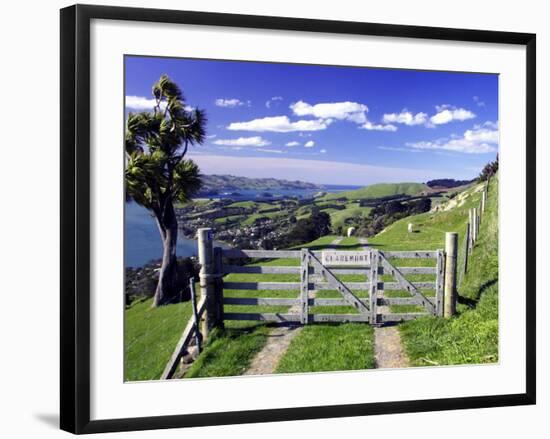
<point>142,241</point>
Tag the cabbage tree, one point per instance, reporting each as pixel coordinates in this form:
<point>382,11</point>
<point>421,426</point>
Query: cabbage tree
<point>157,173</point>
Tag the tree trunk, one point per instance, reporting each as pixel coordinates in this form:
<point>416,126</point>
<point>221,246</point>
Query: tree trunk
<point>167,287</point>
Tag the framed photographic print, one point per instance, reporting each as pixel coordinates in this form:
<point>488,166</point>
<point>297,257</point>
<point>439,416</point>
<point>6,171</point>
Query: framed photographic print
<point>272,218</point>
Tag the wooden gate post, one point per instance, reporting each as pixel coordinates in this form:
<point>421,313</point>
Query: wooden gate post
<point>374,286</point>
<point>451,246</point>
<point>218,286</point>
<point>207,278</point>
<point>304,286</point>
<point>440,281</point>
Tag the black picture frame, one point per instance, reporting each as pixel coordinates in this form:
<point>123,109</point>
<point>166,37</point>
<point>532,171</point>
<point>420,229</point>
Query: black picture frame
<point>75,217</point>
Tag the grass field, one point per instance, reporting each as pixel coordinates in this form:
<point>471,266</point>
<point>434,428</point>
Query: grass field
<point>469,337</point>
<point>378,190</point>
<point>353,210</point>
<point>150,335</point>
<point>330,347</point>
<point>472,335</point>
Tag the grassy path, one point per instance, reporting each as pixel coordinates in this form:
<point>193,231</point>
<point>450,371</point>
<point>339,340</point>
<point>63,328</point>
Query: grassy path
<point>279,339</point>
<point>388,350</point>
<point>257,348</point>
<point>331,347</point>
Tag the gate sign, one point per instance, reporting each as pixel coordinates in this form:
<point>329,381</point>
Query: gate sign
<point>338,257</point>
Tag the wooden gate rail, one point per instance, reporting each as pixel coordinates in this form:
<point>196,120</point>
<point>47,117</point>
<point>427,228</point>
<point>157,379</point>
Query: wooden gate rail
<point>282,286</point>
<point>334,283</point>
<point>262,269</point>
<point>234,253</point>
<point>407,285</point>
<point>297,318</point>
<point>276,301</point>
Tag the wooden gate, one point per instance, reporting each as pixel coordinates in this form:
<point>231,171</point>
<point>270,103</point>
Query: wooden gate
<point>385,284</point>
<point>424,295</point>
<point>319,272</point>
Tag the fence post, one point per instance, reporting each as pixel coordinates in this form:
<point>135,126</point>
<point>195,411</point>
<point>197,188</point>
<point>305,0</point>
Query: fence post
<point>207,278</point>
<point>374,287</point>
<point>466,249</point>
<point>483,199</point>
<point>440,281</point>
<point>304,286</point>
<point>475,223</point>
<point>198,335</point>
<point>451,245</point>
<point>478,223</point>
<point>471,230</point>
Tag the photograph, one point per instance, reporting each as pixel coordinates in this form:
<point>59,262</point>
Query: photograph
<point>288,218</point>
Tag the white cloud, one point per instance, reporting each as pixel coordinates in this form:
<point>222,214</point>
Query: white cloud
<point>211,136</point>
<point>488,124</point>
<point>351,111</point>
<point>394,148</point>
<point>231,103</point>
<point>141,103</point>
<point>275,151</point>
<point>378,127</point>
<point>309,144</point>
<point>446,114</point>
<point>406,117</point>
<point>243,141</point>
<point>273,101</point>
<point>479,140</point>
<point>323,151</point>
<point>279,124</point>
<point>293,143</point>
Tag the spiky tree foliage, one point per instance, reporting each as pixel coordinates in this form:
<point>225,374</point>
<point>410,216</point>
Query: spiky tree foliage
<point>489,170</point>
<point>157,173</point>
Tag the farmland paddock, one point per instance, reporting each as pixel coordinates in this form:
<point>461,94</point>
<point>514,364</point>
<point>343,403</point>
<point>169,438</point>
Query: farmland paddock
<point>387,287</point>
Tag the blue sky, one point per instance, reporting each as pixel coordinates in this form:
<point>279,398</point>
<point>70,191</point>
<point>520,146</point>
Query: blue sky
<point>328,124</point>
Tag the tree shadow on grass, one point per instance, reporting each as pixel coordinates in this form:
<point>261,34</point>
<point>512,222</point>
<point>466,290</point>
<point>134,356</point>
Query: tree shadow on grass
<point>472,303</point>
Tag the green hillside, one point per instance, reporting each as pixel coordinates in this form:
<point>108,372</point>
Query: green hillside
<point>379,190</point>
<point>471,336</point>
<point>353,210</point>
<point>150,335</point>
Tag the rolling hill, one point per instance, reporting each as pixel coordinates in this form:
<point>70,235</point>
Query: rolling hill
<point>378,191</point>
